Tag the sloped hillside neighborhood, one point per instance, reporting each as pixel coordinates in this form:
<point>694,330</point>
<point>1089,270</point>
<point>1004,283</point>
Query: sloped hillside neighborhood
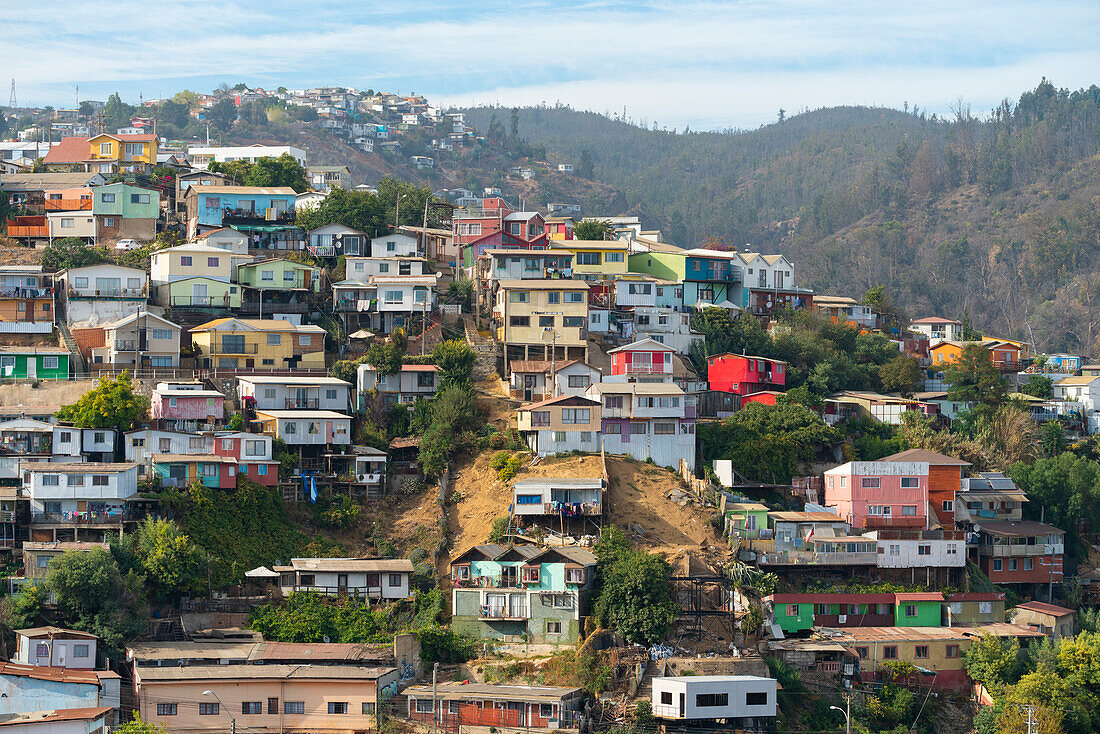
<point>287,451</point>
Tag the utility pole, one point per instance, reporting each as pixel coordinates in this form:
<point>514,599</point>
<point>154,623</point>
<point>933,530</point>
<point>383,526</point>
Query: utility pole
<point>435,707</point>
<point>1030,709</point>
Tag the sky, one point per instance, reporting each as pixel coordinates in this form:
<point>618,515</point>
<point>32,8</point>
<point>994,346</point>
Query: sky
<point>707,65</point>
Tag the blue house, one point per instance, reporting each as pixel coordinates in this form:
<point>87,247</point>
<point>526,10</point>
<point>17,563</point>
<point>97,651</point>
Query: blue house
<point>248,209</point>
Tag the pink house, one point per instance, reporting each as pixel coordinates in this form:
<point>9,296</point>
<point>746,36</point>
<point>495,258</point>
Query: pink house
<point>879,494</point>
<point>643,358</point>
<point>186,406</point>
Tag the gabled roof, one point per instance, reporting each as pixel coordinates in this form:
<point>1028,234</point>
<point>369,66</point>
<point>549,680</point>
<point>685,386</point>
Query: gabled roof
<point>935,320</point>
<point>50,631</point>
<point>647,344</point>
<point>134,316</point>
<point>261,325</point>
<point>69,150</point>
<point>542,365</point>
<point>1044,608</point>
<point>928,457</point>
<point>560,400</point>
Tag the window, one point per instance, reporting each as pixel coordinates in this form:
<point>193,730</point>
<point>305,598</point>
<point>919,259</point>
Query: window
<point>572,321</point>
<point>910,482</point>
<point>890,652</point>
<point>553,297</point>
<point>42,562</point>
<point>871,482</point>
<point>908,510</point>
<point>1013,564</point>
<point>664,429</point>
<point>313,428</point>
<point>588,258</point>
<point>395,580</point>
<point>424,705</point>
<point>952,651</point>
<point>574,297</point>
<point>576,415</point>
<point>74,480</point>
<point>294,707</point>
<point>291,427</point>
<point>252,707</point>
<point>921,651</point>
<point>272,705</point>
<point>910,610</point>
<point>288,276</point>
<point>1029,564</point>
<point>712,700</point>
<point>666,698</point>
<point>107,198</point>
<point>172,402</point>
<point>67,222</point>
<point>209,709</point>
<point>519,296</point>
<point>304,340</point>
<point>330,394</point>
<point>519,321</point>
<point>862,652</point>
<point>161,333</point>
<point>997,565</point>
<point>368,708</point>
<point>546,321</point>
<point>261,469</point>
<point>756,698</point>
<point>948,506</point>
<point>274,340</point>
<point>50,480</point>
<point>553,627</point>
<point>559,436</point>
<point>639,428</point>
<point>99,480</point>
<point>211,262</point>
<point>166,709</point>
<point>613,429</point>
<point>924,550</point>
<point>614,257</point>
<point>139,198</point>
<point>895,549</point>
<point>107,149</point>
<point>337,707</point>
<point>80,282</point>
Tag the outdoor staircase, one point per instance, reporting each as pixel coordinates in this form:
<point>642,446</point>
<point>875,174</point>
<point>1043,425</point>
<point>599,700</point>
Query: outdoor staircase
<point>76,359</point>
<point>488,351</point>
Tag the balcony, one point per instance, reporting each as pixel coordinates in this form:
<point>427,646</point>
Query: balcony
<point>17,231</point>
<point>68,205</point>
<point>201,301</point>
<point>7,515</point>
<point>303,403</point>
<point>253,216</point>
<point>1000,551</point>
<point>874,522</point>
<point>229,349</point>
<point>512,612</point>
<point>136,293</point>
<point>80,518</point>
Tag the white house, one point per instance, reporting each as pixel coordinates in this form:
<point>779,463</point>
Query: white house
<point>225,238</point>
<point>336,239</point>
<point>531,381</point>
<point>413,382</point>
<point>61,491</point>
<point>647,420</point>
<point>394,245</point>
<point>83,444</point>
<point>55,647</point>
<point>714,697</point>
<point>370,578</point>
<point>141,339</point>
<point>26,439</point>
<point>403,298</point>
<point>665,325</point>
<point>361,269</point>
<point>71,224</point>
<point>306,427</point>
<point>86,720</point>
<point>919,551</point>
<point>938,329</point>
<point>101,293</point>
<point>295,393</point>
<point>1085,391</point>
<point>549,495</point>
<point>201,156</point>
<point>140,445</point>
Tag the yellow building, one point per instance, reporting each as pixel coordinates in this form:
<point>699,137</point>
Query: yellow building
<point>259,344</point>
<point>105,153</point>
<point>1023,347</point>
<point>597,260</point>
<point>551,315</point>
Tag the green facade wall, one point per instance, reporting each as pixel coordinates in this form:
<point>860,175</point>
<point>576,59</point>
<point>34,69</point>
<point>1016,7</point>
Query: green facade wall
<point>929,614</point>
<point>61,372</point>
<point>667,265</point>
<point>804,620</point>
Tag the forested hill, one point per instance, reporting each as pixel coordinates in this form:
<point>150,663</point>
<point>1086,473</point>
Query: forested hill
<point>997,215</point>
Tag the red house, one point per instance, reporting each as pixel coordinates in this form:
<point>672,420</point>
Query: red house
<point>745,374</point>
<point>765,397</point>
<point>253,454</point>
<point>186,406</point>
<point>643,358</point>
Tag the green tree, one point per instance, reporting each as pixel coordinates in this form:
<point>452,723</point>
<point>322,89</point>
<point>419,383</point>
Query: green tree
<point>993,661</point>
<point>975,379</point>
<point>93,595</point>
<point>386,358</point>
<point>586,167</point>
<point>188,98</point>
<point>168,557</point>
<point>593,229</point>
<point>222,114</point>
<point>635,595</point>
<point>359,210</point>
<point>455,360</point>
<point>1038,386</point>
<point>281,171</point>
<point>137,726</point>
<point>901,374</point>
<point>111,404</point>
<point>1068,487</point>
<point>70,252</point>
<point>1053,438</point>
<point>455,418</point>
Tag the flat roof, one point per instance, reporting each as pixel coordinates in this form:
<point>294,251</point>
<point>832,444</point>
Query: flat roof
<point>488,691</point>
<point>267,379</point>
<point>1011,528</point>
<point>171,674</point>
<point>396,565</point>
<point>85,468</point>
<point>903,634</point>
<point>544,284</point>
<point>188,458</point>
<point>302,414</point>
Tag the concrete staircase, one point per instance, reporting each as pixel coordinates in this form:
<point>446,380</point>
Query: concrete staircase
<point>488,351</point>
<point>76,359</point>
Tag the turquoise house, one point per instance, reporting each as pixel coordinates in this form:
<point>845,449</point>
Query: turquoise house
<point>522,593</point>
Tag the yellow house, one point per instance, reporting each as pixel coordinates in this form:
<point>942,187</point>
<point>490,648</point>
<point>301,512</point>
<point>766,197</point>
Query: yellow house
<point>259,344</point>
<point>596,260</point>
<point>549,314</point>
<point>194,275</point>
<point>128,151</point>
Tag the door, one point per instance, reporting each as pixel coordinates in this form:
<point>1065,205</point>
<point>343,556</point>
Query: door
<point>28,311</point>
<point>301,398</point>
<point>681,705</point>
<point>374,581</point>
<point>81,506</point>
<point>528,387</point>
<point>32,366</point>
<point>495,604</point>
<point>199,294</point>
<point>341,583</point>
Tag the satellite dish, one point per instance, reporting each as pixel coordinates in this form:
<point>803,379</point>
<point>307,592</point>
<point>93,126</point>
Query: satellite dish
<point>326,638</point>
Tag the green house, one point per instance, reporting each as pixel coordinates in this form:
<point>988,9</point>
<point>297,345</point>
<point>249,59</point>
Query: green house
<point>791,612</point>
<point>34,363</point>
<point>278,274</point>
<point>921,609</point>
<point>522,593</point>
<point>745,519</point>
<point>667,265</point>
<point>126,201</point>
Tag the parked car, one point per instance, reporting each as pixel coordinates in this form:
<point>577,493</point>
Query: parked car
<point>127,245</point>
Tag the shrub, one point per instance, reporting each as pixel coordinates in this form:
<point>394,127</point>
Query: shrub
<point>499,459</point>
<point>511,468</point>
<point>498,533</point>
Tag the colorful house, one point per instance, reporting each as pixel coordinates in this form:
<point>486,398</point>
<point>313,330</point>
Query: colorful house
<point>26,300</point>
<point>263,211</point>
<point>597,260</point>
<point>745,519</point>
<point>260,343</point>
<point>183,470</point>
<point>1023,552</point>
<point>35,363</point>
<point>123,211</point>
<point>522,592</point>
<point>186,406</point>
<point>879,494</point>
<point>194,276</point>
<point>967,609</point>
<point>647,420</point>
<point>801,612</point>
<point>744,374</point>
<point>709,277</point>
<point>564,423</point>
<point>944,480</point>
<point>545,314</point>
<point>645,360</point>
<point>105,153</point>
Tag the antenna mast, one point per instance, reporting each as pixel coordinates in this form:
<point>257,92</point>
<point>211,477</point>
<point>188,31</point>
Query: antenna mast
<point>12,101</point>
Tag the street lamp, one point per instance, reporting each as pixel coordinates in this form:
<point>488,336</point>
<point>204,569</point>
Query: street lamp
<point>847,714</point>
<point>221,706</point>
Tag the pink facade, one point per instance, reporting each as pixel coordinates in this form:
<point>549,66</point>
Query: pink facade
<point>248,465</point>
<point>879,494</point>
<point>207,409</point>
<point>646,357</point>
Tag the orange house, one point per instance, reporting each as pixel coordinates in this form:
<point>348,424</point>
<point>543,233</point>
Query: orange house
<point>944,480</point>
<point>1006,355</point>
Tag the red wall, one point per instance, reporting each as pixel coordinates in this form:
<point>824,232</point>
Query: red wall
<point>1039,574</point>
